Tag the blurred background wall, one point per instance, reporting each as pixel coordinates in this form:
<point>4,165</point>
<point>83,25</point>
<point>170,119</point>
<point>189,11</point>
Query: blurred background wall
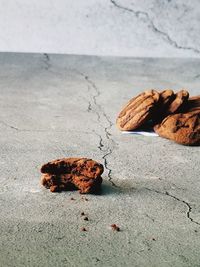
<point>152,28</point>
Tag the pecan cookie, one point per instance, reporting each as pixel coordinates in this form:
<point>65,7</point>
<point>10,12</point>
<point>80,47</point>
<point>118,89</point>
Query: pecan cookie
<point>183,128</point>
<point>194,102</point>
<point>138,110</point>
<point>166,98</point>
<point>72,173</point>
<point>179,102</point>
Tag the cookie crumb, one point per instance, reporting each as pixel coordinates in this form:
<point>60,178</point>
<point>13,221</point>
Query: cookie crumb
<point>86,219</point>
<point>83,229</point>
<point>115,227</point>
<point>153,239</point>
<point>72,198</point>
<point>82,213</point>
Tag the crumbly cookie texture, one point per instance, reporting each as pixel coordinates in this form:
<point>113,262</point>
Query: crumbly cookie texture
<point>138,110</point>
<point>71,174</point>
<point>183,128</point>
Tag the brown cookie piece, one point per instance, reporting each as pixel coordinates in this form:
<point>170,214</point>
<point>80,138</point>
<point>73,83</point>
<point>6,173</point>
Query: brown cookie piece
<point>72,173</point>
<point>83,166</point>
<point>194,102</point>
<point>183,128</point>
<point>194,109</point>
<point>166,97</point>
<point>195,98</point>
<point>68,182</point>
<point>178,103</point>
<point>138,110</point>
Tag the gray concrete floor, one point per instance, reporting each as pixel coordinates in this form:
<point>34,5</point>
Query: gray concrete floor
<point>54,106</point>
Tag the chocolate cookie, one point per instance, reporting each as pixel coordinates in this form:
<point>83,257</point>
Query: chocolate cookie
<point>178,103</point>
<point>195,98</point>
<point>183,128</point>
<point>194,102</point>
<point>138,110</point>
<point>166,98</point>
<point>72,173</point>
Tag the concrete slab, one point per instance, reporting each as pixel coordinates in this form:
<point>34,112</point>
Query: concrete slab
<point>52,106</point>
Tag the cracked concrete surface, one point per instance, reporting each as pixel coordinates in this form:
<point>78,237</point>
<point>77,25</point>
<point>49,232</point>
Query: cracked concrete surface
<point>46,61</point>
<point>145,16</point>
<point>100,112</point>
<point>52,106</point>
<point>145,28</point>
<point>188,213</point>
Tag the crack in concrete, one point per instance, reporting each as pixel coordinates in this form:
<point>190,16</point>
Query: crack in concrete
<point>108,134</point>
<point>10,126</point>
<point>100,113</point>
<point>165,36</point>
<point>41,130</point>
<point>47,61</point>
<point>109,169</point>
<point>101,145</point>
<point>89,108</point>
<point>94,97</point>
<point>179,200</point>
<point>27,130</point>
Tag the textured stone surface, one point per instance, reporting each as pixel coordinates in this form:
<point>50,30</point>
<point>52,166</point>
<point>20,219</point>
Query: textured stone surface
<point>152,28</point>
<point>55,106</point>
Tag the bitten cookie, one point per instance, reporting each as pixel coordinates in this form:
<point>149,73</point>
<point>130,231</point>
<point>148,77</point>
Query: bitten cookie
<point>183,128</point>
<point>72,173</point>
<point>138,110</point>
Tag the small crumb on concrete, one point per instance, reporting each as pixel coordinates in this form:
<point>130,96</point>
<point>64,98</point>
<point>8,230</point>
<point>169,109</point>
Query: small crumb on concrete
<point>115,227</point>
<point>86,219</point>
<point>82,213</point>
<point>83,229</point>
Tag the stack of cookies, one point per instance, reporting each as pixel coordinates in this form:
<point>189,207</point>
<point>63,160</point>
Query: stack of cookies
<point>174,116</point>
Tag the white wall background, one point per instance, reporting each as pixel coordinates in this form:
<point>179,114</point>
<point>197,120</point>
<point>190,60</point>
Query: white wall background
<point>161,28</point>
